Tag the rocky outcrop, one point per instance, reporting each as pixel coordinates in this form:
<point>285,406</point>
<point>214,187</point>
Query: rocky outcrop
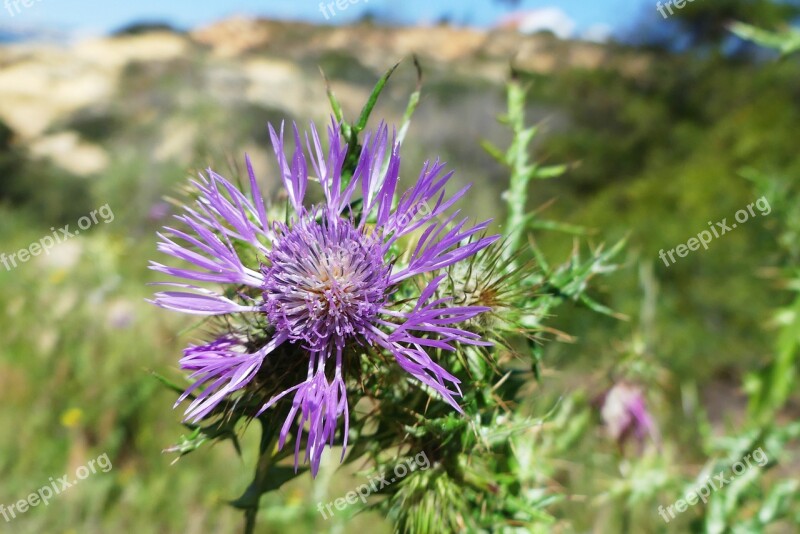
<point>243,62</point>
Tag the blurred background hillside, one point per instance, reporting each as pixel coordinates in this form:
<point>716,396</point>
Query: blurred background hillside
<point>662,123</point>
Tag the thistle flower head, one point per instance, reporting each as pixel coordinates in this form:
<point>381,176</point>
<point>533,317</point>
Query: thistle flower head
<point>324,282</point>
<point>625,414</point>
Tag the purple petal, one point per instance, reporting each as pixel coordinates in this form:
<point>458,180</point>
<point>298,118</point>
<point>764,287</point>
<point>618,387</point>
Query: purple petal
<point>230,369</point>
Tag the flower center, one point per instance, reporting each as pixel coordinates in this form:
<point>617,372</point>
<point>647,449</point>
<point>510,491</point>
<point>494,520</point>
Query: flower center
<point>325,281</point>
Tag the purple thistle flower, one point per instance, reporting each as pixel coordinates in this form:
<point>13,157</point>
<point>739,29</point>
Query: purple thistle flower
<point>324,280</point>
<point>624,412</point>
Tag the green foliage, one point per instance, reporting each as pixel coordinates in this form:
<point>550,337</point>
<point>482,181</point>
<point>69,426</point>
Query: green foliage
<point>657,156</point>
<point>522,170</point>
<point>702,25</point>
<point>787,42</point>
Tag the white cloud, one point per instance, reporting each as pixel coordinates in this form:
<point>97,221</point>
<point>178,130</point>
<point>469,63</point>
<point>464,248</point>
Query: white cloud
<point>548,19</point>
<point>597,33</point>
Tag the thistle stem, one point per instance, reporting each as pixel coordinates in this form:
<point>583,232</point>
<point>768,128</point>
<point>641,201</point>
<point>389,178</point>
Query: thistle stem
<point>265,460</point>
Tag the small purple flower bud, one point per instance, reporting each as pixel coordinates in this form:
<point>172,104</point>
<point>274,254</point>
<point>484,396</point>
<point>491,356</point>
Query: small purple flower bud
<point>624,413</point>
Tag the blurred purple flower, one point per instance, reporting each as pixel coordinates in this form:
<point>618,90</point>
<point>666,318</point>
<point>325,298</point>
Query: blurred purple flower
<point>324,278</point>
<point>624,412</point>
<point>158,211</point>
<point>120,315</point>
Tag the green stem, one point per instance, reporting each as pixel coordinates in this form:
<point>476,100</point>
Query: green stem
<point>522,169</point>
<point>250,521</point>
<point>265,459</point>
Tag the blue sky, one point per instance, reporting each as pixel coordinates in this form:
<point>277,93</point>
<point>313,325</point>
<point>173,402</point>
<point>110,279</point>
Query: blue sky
<point>92,16</point>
